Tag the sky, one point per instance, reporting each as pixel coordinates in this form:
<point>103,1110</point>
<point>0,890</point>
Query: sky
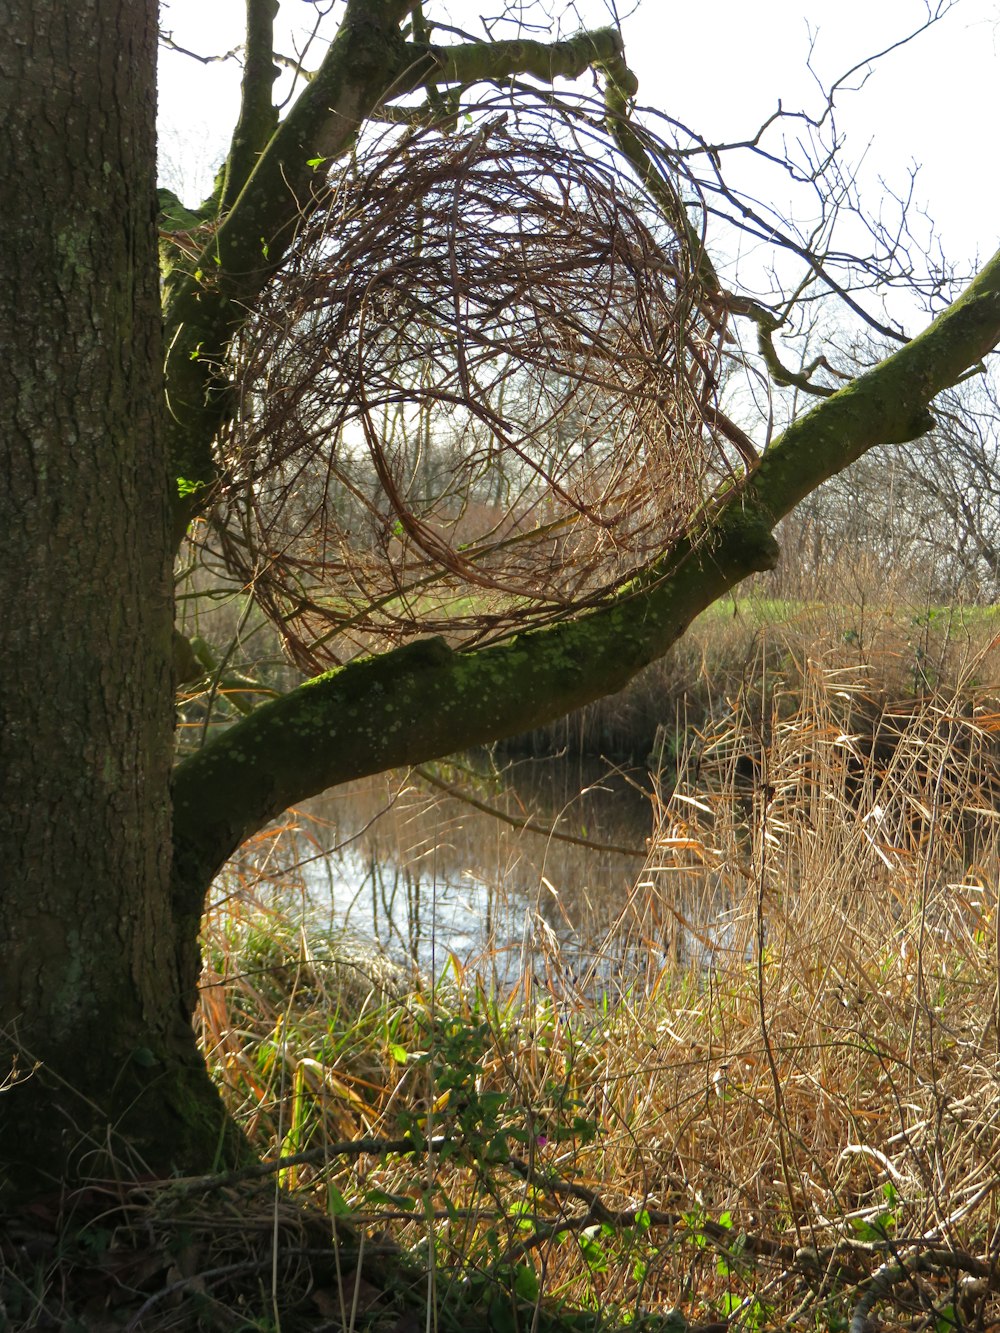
<point>720,66</point>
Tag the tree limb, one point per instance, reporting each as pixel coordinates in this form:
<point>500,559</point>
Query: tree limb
<point>492,62</point>
<point>205,302</point>
<point>888,405</point>
<point>368,63</point>
<point>258,116</point>
<point>424,701</point>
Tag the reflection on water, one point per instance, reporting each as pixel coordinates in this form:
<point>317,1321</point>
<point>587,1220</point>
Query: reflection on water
<point>838,833</point>
<point>427,875</point>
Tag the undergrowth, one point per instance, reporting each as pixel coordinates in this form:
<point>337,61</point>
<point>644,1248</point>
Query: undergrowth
<point>771,1099</point>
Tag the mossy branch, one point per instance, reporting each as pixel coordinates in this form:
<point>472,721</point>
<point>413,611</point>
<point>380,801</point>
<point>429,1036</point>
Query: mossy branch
<point>425,701</point>
<point>206,301</point>
<point>767,326</point>
<point>258,118</point>
<point>888,405</point>
<point>493,62</point>
<point>658,185</point>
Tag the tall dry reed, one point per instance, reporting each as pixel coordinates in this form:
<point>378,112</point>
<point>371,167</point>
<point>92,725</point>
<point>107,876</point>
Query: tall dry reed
<point>772,1094</point>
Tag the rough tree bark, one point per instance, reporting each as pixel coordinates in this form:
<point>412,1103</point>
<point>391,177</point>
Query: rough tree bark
<point>90,981</point>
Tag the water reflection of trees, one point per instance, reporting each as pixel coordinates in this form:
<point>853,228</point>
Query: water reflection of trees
<point>424,872</point>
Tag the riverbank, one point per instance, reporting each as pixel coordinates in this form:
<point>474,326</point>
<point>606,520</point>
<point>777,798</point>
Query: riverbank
<point>742,649</point>
<point>761,1093</point>
<point>772,1099</point>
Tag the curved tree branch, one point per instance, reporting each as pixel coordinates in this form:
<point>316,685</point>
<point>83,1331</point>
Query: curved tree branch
<point>492,62</point>
<point>206,301</point>
<point>424,701</point>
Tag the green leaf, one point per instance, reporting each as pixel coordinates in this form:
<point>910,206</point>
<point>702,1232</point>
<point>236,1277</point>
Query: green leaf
<point>401,1201</point>
<point>336,1204</point>
<point>593,1255</point>
<point>879,1228</point>
<point>501,1317</point>
<point>695,1221</point>
<point>186,487</point>
<point>526,1282</point>
<point>498,1149</point>
<point>95,1240</point>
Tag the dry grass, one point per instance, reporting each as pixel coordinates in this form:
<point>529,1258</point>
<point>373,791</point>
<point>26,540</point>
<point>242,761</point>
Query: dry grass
<point>748,644</point>
<point>773,1099</point>
<point>775,1091</point>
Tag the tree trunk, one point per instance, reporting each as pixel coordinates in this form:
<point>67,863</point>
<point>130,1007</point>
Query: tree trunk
<point>95,985</point>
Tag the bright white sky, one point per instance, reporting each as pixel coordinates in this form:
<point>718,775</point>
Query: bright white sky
<point>720,66</point>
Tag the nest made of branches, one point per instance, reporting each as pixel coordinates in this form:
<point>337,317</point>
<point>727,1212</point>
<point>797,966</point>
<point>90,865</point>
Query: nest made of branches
<point>474,397</point>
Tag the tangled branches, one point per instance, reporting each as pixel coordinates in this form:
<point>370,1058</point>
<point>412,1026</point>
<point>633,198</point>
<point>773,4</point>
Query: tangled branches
<point>476,396</point>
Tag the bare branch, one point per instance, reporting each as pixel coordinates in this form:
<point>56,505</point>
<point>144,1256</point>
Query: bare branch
<point>367,62</point>
<point>492,315</point>
<point>168,43</point>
